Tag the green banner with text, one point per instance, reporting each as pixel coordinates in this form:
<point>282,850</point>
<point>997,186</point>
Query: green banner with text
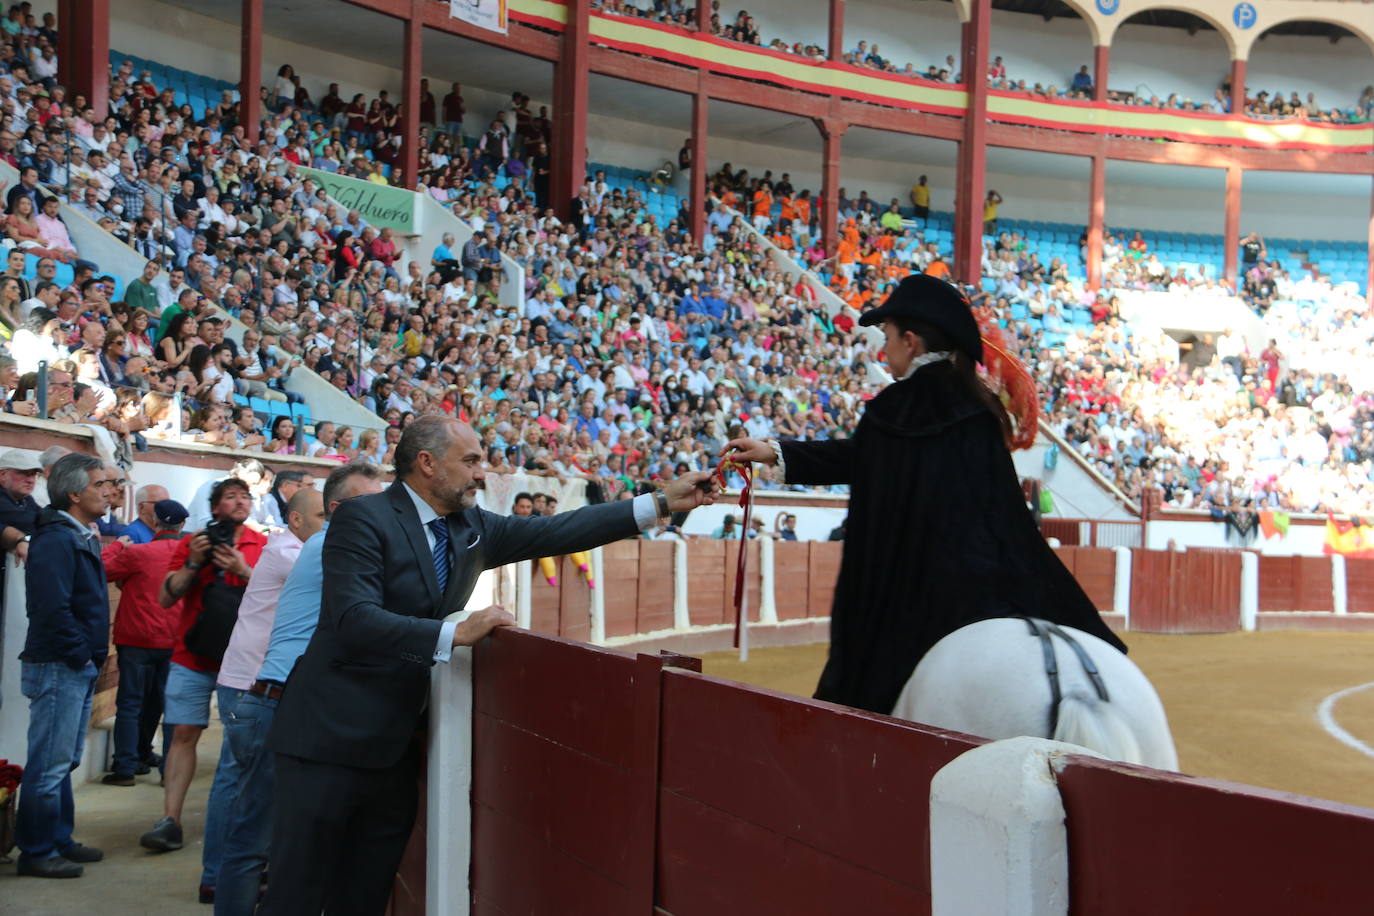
<point>380,205</point>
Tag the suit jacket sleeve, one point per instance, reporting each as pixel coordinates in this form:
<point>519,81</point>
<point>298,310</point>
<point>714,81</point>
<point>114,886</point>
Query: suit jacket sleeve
<point>818,463</point>
<point>353,600</point>
<point>513,539</point>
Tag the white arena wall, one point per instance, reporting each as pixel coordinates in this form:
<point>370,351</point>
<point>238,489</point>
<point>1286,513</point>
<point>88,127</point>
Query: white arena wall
<point>1036,186</point>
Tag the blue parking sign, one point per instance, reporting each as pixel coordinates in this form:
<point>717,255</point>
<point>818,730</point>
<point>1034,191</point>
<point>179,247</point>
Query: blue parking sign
<point>1244,15</point>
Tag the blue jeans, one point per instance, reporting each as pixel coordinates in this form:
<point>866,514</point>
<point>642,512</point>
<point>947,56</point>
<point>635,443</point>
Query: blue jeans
<point>59,710</point>
<point>454,129</point>
<point>248,829</point>
<point>138,705</point>
<point>223,790</point>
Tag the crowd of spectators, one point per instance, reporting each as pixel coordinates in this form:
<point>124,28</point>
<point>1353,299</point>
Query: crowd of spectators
<point>640,348</point>
<point>1210,424</point>
<point>744,28</point>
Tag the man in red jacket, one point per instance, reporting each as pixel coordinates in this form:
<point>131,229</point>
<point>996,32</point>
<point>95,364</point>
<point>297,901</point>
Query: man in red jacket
<point>144,632</point>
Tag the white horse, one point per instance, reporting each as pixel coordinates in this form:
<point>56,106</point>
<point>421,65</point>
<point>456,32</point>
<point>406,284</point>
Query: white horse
<point>1000,678</point>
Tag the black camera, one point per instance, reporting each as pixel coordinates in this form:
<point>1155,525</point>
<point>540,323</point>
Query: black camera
<point>220,532</point>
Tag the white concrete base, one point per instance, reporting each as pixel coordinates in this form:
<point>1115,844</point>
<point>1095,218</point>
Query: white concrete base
<point>1249,590</point>
<point>1340,598</point>
<point>1121,590</point>
<point>998,845</point>
<point>448,808</point>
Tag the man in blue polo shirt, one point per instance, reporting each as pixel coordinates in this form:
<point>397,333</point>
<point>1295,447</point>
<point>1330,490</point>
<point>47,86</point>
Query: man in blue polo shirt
<point>248,829</point>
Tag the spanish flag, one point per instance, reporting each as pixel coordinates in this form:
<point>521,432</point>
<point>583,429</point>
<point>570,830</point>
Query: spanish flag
<point>1349,539</point>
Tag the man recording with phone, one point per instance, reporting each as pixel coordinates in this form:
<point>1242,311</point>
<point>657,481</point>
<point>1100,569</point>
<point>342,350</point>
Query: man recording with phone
<point>208,573</point>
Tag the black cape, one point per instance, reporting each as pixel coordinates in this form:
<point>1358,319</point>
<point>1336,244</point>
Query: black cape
<point>938,536</point>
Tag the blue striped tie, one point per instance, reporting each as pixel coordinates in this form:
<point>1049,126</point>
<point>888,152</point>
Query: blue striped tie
<point>439,528</point>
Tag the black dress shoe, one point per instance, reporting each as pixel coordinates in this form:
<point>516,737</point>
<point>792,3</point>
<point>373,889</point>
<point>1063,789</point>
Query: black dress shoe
<point>55,867</point>
<point>142,769</point>
<point>117,779</point>
<point>78,853</point>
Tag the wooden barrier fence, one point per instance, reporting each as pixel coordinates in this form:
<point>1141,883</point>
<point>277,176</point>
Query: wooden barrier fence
<point>1145,842</point>
<point>604,783</point>
<point>1201,590</point>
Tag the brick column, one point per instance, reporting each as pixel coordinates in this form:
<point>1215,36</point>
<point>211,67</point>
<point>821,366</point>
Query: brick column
<point>972,179</point>
<point>836,30</point>
<point>832,131</point>
<point>1097,218</point>
<point>410,94</point>
<point>698,188</point>
<point>1237,87</point>
<point>1231,236</point>
<point>84,64</point>
<point>570,110</point>
<point>1101,67</point>
<point>250,69</point>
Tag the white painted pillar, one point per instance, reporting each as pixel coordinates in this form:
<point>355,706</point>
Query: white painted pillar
<point>1121,590</point>
<point>448,804</point>
<point>1340,598</point>
<point>484,591</point>
<point>598,608</point>
<point>14,629</point>
<point>682,618</point>
<point>768,605</point>
<point>998,844</point>
<point>523,570</point>
<point>1249,590</point>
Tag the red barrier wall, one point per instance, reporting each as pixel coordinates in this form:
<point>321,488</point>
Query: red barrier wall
<point>1142,843</point>
<point>765,807</point>
<point>1095,570</point>
<point>564,779</point>
<point>1295,584</point>
<point>706,598</point>
<point>1359,586</point>
<point>1197,591</point>
<point>605,784</point>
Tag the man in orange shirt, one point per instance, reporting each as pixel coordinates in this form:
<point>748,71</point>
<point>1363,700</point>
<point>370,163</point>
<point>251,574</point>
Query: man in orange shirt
<point>763,206</point>
<point>802,206</point>
<point>938,268</point>
<point>788,214</point>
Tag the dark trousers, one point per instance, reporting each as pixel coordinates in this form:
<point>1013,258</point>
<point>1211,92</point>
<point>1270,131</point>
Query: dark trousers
<point>338,834</point>
<point>138,704</point>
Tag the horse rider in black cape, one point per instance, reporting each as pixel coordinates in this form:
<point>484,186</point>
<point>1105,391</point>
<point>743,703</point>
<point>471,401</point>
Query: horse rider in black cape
<point>939,535</point>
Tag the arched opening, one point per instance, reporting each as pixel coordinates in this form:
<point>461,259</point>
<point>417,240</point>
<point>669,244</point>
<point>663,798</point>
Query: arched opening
<point>911,37</point>
<point>1303,68</point>
<point>1168,58</point>
<point>1040,46</point>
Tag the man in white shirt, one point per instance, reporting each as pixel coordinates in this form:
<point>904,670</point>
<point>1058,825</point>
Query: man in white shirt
<point>217,371</point>
<point>324,440</point>
<point>1231,348</point>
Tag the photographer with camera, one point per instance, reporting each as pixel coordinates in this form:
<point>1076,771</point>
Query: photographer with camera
<point>208,572</point>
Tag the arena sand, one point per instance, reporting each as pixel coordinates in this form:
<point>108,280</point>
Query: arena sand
<point>1242,706</point>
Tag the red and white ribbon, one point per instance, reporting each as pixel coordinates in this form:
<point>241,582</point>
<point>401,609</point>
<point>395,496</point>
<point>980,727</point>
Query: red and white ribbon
<point>746,502</point>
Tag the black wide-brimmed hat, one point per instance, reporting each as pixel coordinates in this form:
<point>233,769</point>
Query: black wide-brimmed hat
<point>932,301</point>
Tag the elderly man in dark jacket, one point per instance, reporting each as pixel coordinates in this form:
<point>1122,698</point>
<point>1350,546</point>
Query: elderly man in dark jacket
<point>68,638</point>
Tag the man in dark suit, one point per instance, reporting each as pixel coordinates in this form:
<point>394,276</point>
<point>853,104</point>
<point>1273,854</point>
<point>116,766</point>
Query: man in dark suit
<point>395,565</point>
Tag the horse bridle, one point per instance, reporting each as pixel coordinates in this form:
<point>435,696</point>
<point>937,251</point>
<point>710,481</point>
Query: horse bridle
<point>1045,631</point>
